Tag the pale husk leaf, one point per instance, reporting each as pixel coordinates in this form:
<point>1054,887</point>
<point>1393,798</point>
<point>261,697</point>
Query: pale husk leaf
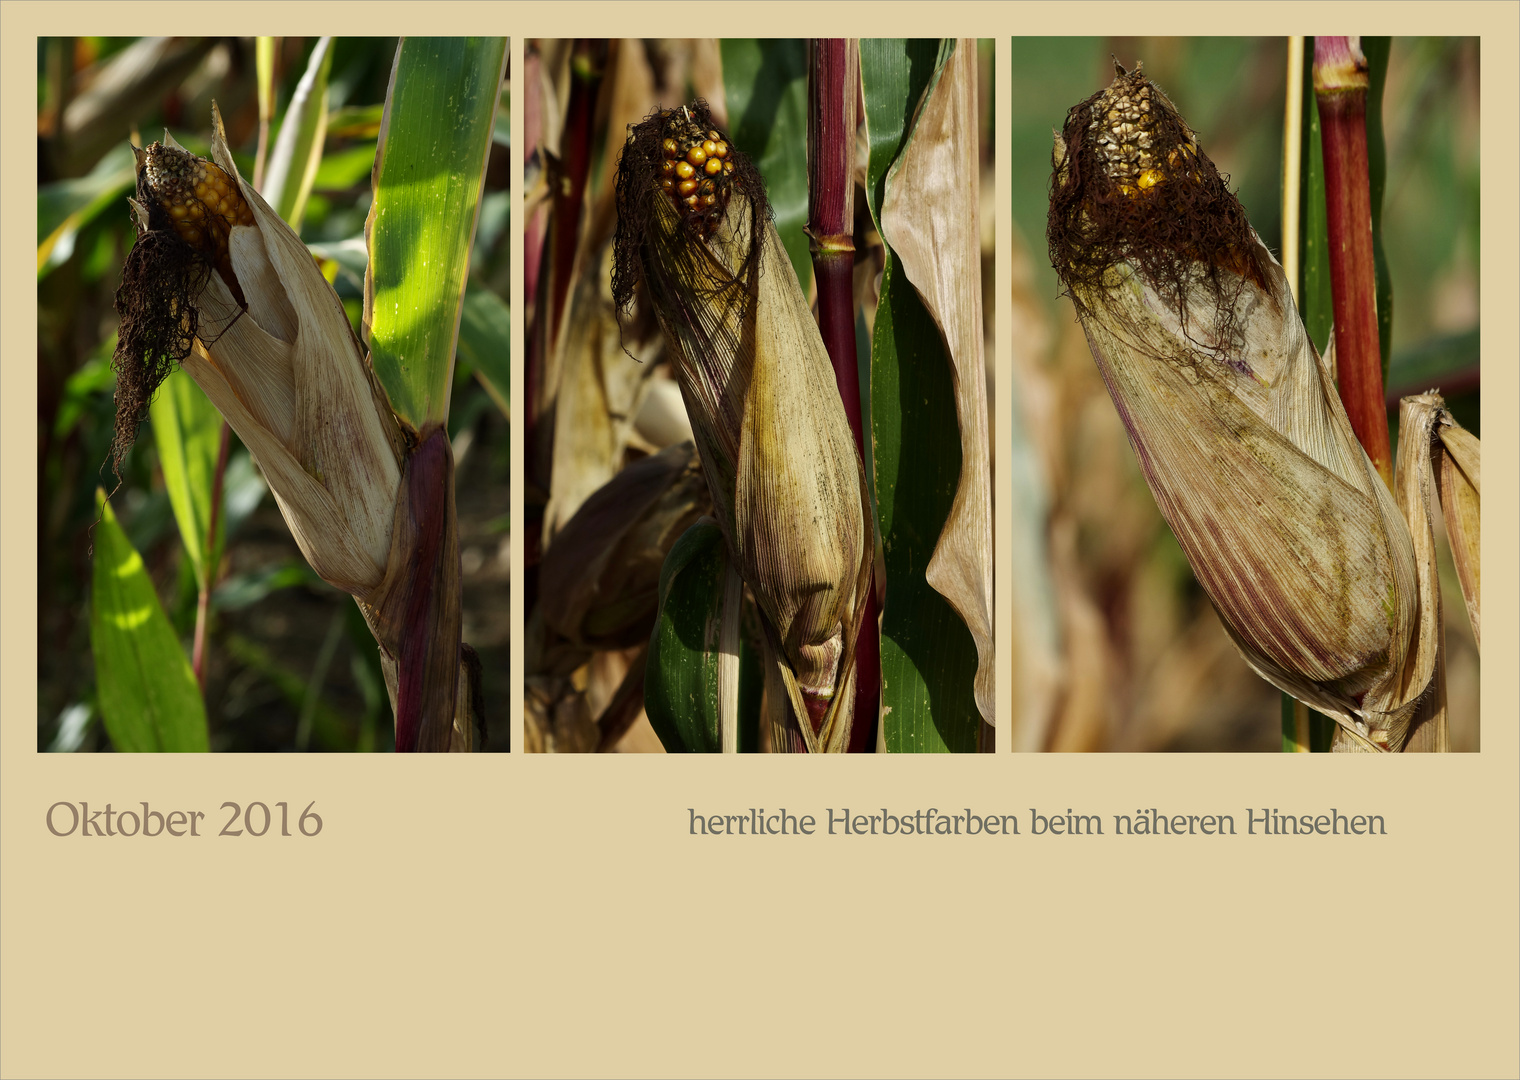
<point>1461,489</point>
<point>599,395</point>
<point>290,379</point>
<point>1286,524</point>
<point>787,484</point>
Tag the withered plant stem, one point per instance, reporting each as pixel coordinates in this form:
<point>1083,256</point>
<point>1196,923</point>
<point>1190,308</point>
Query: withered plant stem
<point>203,604</point>
<point>833,78</point>
<point>1340,88</point>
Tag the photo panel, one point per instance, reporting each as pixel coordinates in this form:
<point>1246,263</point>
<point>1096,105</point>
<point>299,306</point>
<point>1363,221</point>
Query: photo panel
<point>273,382</point>
<point>758,501</point>
<point>1209,558</point>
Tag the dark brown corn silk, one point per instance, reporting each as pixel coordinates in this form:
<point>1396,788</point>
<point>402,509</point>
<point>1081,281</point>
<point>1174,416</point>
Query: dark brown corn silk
<point>1131,185</point>
<point>669,157</point>
<point>699,266</point>
<point>191,206</point>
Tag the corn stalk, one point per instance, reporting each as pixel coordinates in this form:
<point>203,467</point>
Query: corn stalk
<point>833,88</point>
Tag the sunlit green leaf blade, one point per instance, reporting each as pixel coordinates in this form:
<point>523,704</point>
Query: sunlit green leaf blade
<point>188,432</point>
<point>429,169</point>
<point>681,676</point>
<point>298,150</point>
<point>765,87</point>
<point>148,696</point>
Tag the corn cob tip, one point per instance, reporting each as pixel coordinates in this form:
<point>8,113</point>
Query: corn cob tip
<point>682,156</point>
<point>184,210</point>
<point>696,169</point>
<point>1132,185</point>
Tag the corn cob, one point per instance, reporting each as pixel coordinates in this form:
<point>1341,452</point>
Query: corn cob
<point>1132,186</point>
<point>787,484</point>
<point>696,170</point>
<point>201,202</point>
<point>367,503</point>
<point>1235,418</point>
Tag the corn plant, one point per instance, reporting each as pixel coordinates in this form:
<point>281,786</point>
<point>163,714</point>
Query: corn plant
<point>1236,421</point>
<point>355,448</point>
<point>762,620</point>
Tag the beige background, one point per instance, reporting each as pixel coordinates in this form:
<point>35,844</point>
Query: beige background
<point>517,915</point>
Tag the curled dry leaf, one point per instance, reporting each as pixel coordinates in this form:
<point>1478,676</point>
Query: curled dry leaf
<point>599,582</point>
<point>1461,459</point>
<point>930,217</point>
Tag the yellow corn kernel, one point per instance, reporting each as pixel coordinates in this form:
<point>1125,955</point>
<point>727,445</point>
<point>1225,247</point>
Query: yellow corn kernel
<point>202,202</point>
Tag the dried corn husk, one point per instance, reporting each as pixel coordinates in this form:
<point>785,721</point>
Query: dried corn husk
<point>599,581</point>
<point>267,340</point>
<point>786,481</point>
<point>1459,468</point>
<point>1236,421</point>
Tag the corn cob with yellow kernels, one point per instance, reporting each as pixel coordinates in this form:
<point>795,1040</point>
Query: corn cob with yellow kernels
<point>200,200</point>
<point>1235,419</point>
<point>787,484</point>
<point>695,169</point>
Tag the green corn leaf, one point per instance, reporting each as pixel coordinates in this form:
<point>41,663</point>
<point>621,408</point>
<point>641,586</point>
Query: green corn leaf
<point>297,151</point>
<point>681,676</point>
<point>765,87</point>
<point>1314,236</point>
<point>1376,50</point>
<point>485,342</point>
<point>928,657</point>
<point>188,432</point>
<point>429,168</point>
<point>1314,305</point>
<point>65,207</point>
<point>148,697</point>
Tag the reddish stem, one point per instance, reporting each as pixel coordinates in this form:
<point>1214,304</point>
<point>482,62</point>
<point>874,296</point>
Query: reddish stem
<point>586,66</point>
<point>213,558</point>
<point>428,658</point>
<point>833,76</point>
<point>1340,87</point>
